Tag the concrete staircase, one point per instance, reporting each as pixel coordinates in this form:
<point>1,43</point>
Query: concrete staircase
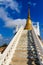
<point>20,56</point>
<point>26,52</point>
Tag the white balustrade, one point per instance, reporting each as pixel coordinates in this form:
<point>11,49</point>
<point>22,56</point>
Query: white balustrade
<point>38,44</point>
<point>10,50</point>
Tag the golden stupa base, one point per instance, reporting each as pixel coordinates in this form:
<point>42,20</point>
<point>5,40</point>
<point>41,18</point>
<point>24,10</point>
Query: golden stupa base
<point>27,28</point>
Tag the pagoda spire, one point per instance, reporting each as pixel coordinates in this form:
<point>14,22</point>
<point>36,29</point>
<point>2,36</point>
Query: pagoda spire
<point>28,25</point>
<point>28,13</point>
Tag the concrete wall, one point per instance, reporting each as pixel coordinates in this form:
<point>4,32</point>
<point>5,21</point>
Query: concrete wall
<point>36,26</point>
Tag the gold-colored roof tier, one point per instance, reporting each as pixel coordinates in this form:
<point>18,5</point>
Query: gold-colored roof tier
<point>28,23</point>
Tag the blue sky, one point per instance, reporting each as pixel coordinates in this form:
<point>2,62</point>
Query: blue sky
<point>14,12</point>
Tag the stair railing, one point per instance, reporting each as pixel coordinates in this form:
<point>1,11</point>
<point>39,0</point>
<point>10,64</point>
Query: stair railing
<point>39,45</point>
<point>10,50</point>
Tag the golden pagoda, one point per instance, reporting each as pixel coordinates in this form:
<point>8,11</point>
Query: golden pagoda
<point>28,23</point>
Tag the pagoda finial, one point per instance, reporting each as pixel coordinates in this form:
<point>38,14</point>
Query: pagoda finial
<point>28,13</point>
<point>28,23</point>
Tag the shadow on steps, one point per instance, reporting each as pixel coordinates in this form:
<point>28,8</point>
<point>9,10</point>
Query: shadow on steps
<point>32,52</point>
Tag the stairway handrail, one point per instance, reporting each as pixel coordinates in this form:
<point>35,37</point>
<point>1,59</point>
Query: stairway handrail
<point>37,42</point>
<point>10,44</point>
<point>37,38</point>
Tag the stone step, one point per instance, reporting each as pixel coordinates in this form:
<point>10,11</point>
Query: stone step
<point>22,46</point>
<point>17,51</point>
<point>19,59</point>
<point>20,56</point>
<point>19,63</point>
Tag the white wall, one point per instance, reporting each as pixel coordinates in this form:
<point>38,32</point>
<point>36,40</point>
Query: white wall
<point>37,29</point>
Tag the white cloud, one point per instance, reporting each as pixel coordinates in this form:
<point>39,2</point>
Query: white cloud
<point>8,22</point>
<point>14,5</point>
<point>1,37</point>
<point>13,31</point>
<point>12,23</point>
<point>4,40</point>
<point>3,14</point>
